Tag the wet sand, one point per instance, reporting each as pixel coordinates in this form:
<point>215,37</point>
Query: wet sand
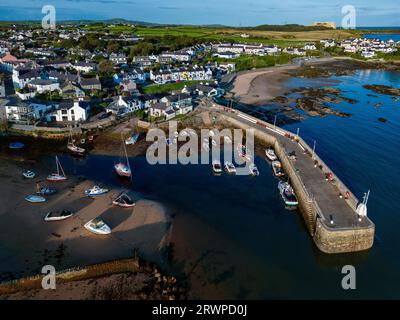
<point>258,87</point>
<point>27,242</point>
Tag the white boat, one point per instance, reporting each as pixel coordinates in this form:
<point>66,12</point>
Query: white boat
<point>243,152</point>
<point>45,190</point>
<point>97,226</point>
<point>253,170</point>
<point>270,153</point>
<point>132,139</point>
<point>58,215</point>
<point>35,198</point>
<point>183,133</point>
<point>123,200</point>
<point>206,146</point>
<point>213,142</point>
<point>229,167</point>
<point>123,168</point>
<point>277,168</point>
<point>216,165</point>
<point>28,174</point>
<point>95,191</point>
<point>71,146</point>
<point>287,193</point>
<point>59,176</point>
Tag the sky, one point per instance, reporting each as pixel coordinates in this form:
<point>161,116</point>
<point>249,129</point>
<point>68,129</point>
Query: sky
<point>227,12</point>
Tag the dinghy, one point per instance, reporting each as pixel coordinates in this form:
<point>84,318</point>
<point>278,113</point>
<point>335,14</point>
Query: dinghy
<point>132,139</point>
<point>253,170</point>
<point>28,174</point>
<point>229,167</point>
<point>45,191</point>
<point>277,168</point>
<point>287,193</point>
<point>97,226</point>
<point>124,201</point>
<point>122,168</point>
<point>73,148</point>
<point>58,215</point>
<point>16,145</point>
<point>216,165</point>
<point>59,176</point>
<point>243,152</point>
<point>95,191</point>
<point>270,153</point>
<point>35,199</point>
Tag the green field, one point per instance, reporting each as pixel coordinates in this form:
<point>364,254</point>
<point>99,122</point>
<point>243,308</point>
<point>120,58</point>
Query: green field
<point>163,88</point>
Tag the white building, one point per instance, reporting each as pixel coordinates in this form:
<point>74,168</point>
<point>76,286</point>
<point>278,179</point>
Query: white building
<point>40,85</point>
<point>69,111</point>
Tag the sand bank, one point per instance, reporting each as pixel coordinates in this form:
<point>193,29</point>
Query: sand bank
<point>27,242</point>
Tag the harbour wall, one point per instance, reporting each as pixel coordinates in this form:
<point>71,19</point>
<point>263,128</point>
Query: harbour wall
<point>326,238</point>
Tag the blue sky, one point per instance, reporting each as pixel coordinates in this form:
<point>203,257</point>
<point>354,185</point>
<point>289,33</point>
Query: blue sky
<point>228,12</point>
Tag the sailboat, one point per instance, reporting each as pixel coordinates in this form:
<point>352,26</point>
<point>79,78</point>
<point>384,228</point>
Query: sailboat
<point>59,176</point>
<point>123,168</point>
<point>74,148</point>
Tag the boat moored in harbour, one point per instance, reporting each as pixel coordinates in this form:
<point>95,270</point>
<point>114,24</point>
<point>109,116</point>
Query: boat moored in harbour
<point>287,193</point>
<point>59,176</point>
<point>124,201</point>
<point>270,154</point>
<point>97,226</point>
<point>132,139</point>
<point>28,174</point>
<point>242,150</point>
<point>73,148</point>
<point>123,168</point>
<point>35,198</point>
<point>277,168</point>
<point>253,170</point>
<point>95,191</point>
<point>216,166</point>
<point>229,167</point>
<point>58,215</point>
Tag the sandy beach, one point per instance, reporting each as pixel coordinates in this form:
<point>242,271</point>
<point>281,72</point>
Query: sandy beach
<point>27,242</point>
<point>259,86</point>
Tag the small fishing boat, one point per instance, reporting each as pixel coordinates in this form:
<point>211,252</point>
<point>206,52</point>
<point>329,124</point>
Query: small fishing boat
<point>58,215</point>
<point>287,193</point>
<point>59,176</point>
<point>124,201</point>
<point>95,191</point>
<point>270,153</point>
<point>132,139</point>
<point>73,148</point>
<point>183,133</point>
<point>227,140</point>
<point>213,142</point>
<point>35,198</point>
<point>28,174</point>
<point>16,145</point>
<point>243,152</point>
<point>97,226</point>
<point>216,166</point>
<point>277,168</point>
<point>253,170</point>
<point>229,167</point>
<point>45,191</point>
<point>123,168</point>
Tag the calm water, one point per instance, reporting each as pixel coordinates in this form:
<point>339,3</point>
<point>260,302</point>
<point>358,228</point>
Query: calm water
<point>243,241</point>
<point>383,36</point>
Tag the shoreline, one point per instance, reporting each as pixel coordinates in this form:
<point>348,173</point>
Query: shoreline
<point>260,86</point>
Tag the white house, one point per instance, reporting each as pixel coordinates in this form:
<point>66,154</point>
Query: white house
<point>69,110</point>
<point>124,105</point>
<point>310,46</point>
<point>84,66</point>
<point>118,58</point>
<point>161,109</point>
<point>40,85</point>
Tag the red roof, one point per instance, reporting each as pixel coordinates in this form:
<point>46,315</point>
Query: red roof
<point>8,58</point>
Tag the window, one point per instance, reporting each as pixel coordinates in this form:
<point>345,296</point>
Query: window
<point>63,111</point>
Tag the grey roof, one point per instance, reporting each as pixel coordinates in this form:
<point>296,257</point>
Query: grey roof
<point>160,106</point>
<point>177,97</point>
<point>90,82</point>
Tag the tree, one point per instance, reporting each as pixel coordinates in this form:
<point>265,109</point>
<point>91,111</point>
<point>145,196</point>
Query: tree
<point>106,66</point>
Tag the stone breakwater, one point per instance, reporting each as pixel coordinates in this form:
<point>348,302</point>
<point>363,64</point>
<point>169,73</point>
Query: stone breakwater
<point>331,219</point>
